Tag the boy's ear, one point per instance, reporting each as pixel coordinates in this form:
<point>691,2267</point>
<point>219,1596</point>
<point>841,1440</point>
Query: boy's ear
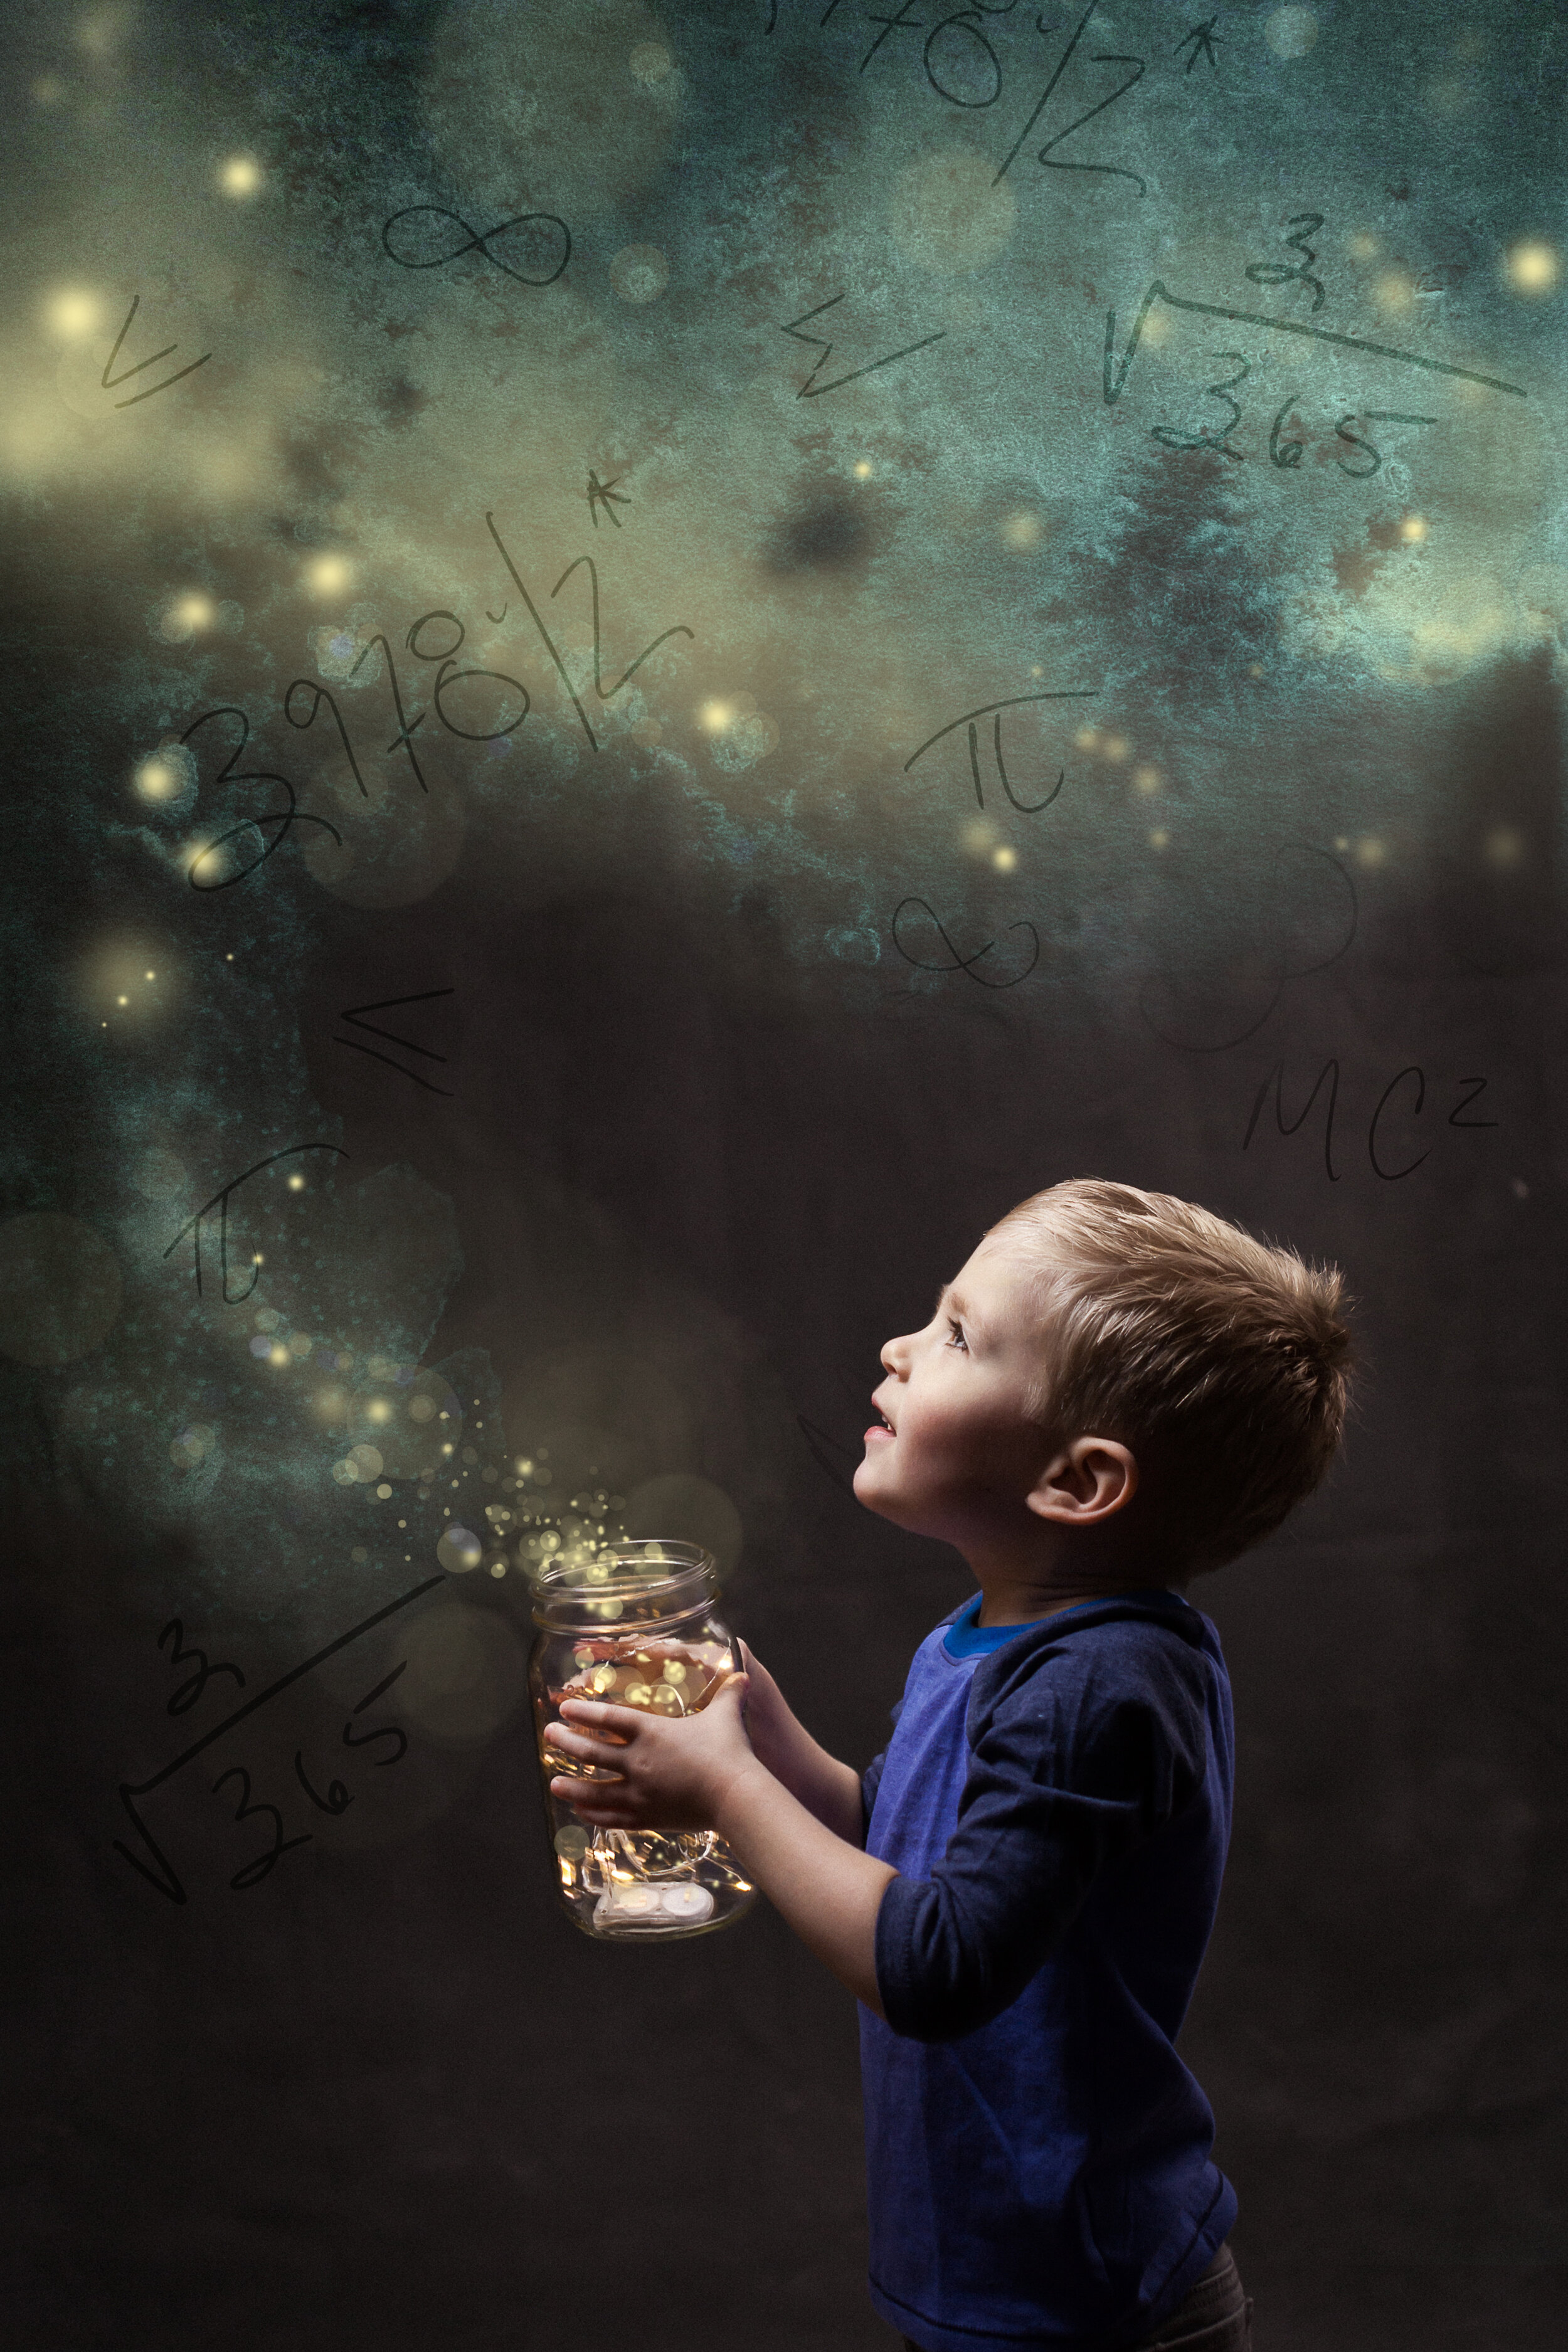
<point>1085,1483</point>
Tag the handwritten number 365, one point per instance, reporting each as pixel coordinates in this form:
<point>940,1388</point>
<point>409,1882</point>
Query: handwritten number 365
<point>254,1871</point>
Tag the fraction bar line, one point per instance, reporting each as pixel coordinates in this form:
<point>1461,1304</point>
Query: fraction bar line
<point>1157,291</point>
<point>145,1788</point>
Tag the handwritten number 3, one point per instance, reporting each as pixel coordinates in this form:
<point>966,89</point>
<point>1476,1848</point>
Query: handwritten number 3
<point>281,818</point>
<point>1221,391</point>
<point>185,1698</point>
<point>254,1871</point>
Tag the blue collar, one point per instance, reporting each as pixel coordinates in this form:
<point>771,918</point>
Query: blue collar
<point>965,1638</point>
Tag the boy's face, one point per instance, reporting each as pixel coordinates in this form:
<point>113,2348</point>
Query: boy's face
<point>960,1454</point>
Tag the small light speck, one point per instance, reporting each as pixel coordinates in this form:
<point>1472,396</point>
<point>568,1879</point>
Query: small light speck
<point>1520,1189</point>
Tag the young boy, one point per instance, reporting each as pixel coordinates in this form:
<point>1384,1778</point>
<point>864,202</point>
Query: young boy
<point>1118,1391</point>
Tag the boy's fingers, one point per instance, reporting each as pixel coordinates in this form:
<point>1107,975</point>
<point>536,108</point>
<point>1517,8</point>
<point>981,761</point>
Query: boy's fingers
<point>598,1712</point>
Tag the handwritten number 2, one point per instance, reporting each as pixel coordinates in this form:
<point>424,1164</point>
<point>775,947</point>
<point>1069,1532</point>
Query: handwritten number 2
<point>1221,391</point>
<point>1109,171</point>
<point>254,1871</point>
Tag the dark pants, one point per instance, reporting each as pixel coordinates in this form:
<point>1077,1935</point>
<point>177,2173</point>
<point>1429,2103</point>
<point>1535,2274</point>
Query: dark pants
<point>1217,2316</point>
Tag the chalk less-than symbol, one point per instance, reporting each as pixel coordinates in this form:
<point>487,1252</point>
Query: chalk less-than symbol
<point>158,1870</point>
<point>474,241</point>
<point>811,389</point>
<point>354,1016</point>
<point>993,710</point>
<point>110,381</point>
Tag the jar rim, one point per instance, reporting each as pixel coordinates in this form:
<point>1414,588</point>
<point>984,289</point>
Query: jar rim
<point>649,1569</point>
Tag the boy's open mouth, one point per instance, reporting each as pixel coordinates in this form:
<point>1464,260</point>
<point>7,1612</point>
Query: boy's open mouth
<point>881,1427</point>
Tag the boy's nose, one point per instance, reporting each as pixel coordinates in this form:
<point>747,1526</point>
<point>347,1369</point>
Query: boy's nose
<point>893,1354</point>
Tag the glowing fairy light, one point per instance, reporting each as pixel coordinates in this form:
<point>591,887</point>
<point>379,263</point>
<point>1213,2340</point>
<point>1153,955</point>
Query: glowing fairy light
<point>157,780</point>
<point>73,313</point>
<point>1146,779</point>
<point>327,576</point>
<point>1413,529</point>
<point>1022,530</point>
<point>239,176</point>
<point>195,611</point>
<point>714,717</point>
<point>1159,838</point>
<point>296,1183</point>
<point>1004,860</point>
<point>1533,268</point>
<point>863,470</point>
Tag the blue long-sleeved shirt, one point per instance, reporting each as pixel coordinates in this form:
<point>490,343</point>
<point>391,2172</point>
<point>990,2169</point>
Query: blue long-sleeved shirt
<point>1056,1800</point>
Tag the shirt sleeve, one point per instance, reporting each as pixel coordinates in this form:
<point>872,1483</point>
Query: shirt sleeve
<point>1068,1771</point>
<point>870,1782</point>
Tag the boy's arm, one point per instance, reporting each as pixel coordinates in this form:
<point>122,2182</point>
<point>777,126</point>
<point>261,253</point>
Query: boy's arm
<point>780,1741</point>
<point>703,1773</point>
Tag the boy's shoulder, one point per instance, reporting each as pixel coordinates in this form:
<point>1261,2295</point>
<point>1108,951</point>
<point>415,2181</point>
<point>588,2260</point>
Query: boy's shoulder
<point>1151,1649</point>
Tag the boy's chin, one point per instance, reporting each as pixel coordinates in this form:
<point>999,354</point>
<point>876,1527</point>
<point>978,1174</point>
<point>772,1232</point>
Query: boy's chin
<point>886,1501</point>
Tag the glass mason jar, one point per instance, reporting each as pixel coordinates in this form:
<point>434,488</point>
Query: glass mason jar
<point>635,1627</point>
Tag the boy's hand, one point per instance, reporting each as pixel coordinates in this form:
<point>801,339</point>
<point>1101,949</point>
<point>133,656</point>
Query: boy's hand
<point>670,1775</point>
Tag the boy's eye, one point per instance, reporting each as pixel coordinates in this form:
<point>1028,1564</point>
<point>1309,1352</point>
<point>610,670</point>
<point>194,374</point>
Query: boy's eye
<point>956,1336</point>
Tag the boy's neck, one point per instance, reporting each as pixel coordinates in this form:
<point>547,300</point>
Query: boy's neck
<point>1010,1596</point>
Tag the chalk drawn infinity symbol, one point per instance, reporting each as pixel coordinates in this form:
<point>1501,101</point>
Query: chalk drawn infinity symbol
<point>477,241</point>
<point>962,962</point>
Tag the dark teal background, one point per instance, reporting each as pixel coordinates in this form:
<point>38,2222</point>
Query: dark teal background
<point>740,1014</point>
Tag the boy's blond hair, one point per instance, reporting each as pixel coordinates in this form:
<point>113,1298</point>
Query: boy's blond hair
<point>1222,1361</point>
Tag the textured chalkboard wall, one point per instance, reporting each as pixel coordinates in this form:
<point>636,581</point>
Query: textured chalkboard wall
<point>657,658</point>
